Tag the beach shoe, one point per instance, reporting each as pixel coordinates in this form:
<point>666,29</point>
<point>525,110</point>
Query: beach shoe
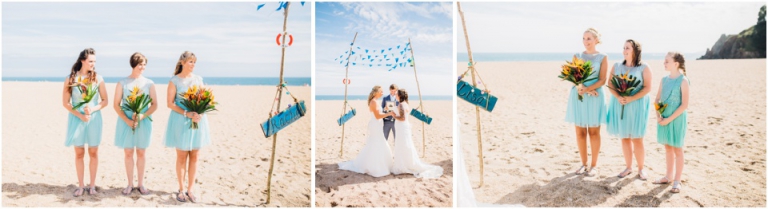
<point>78,192</point>
<point>143,190</point>
<point>191,197</point>
<point>581,170</point>
<point>92,191</point>
<point>641,175</point>
<point>625,173</point>
<point>181,197</point>
<point>662,180</point>
<point>676,187</point>
<point>591,172</point>
<point>127,190</point>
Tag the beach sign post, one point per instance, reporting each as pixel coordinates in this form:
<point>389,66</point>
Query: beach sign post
<point>345,117</point>
<point>472,94</point>
<point>279,120</point>
<point>423,117</point>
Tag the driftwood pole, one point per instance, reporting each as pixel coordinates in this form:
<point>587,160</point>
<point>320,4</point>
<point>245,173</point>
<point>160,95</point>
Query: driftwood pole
<point>279,97</point>
<point>421,103</point>
<point>346,82</point>
<point>477,109</point>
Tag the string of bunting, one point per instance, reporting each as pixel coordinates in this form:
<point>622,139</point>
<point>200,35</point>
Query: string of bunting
<point>281,5</point>
<point>390,57</point>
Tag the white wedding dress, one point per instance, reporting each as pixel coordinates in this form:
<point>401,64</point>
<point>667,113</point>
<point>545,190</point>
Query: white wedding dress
<point>406,159</point>
<point>375,158</point>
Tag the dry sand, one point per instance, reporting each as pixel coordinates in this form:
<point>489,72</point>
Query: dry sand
<point>530,151</point>
<point>339,188</point>
<point>38,170</point>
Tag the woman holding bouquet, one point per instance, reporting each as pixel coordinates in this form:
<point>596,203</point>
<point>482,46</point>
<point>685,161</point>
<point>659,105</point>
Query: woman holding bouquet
<point>629,107</point>
<point>671,105</point>
<point>84,95</point>
<point>180,134</point>
<point>588,113</point>
<point>134,129</point>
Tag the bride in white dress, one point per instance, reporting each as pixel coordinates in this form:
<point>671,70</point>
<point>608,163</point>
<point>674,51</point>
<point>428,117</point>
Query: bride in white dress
<point>406,159</point>
<point>375,158</point>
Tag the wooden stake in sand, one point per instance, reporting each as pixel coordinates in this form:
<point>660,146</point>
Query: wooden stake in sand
<point>474,95</point>
<point>346,83</point>
<point>421,104</point>
<point>279,97</point>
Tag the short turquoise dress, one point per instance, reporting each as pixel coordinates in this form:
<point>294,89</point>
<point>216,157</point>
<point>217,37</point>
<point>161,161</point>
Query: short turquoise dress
<point>592,110</point>
<point>636,113</point>
<point>179,135</point>
<point>80,133</point>
<point>125,137</point>
<point>673,134</point>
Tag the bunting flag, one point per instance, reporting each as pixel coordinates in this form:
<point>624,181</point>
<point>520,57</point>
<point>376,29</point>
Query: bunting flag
<point>389,57</point>
<point>282,5</point>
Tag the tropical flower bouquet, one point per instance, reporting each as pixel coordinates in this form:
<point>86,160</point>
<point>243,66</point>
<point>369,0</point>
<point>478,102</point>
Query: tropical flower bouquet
<point>577,72</point>
<point>87,89</point>
<point>136,102</point>
<point>199,100</point>
<point>624,85</point>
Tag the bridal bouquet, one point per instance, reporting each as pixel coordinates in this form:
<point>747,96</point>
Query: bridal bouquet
<point>577,72</point>
<point>624,85</point>
<point>199,100</point>
<point>136,102</point>
<point>88,90</point>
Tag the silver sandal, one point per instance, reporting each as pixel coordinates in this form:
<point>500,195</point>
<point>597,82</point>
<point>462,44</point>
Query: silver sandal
<point>582,170</point>
<point>676,187</point>
<point>591,172</point>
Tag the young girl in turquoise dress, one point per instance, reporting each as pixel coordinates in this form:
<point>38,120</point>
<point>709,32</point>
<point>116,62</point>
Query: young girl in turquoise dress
<point>134,130</point>
<point>84,124</point>
<point>673,122</point>
<point>179,135</point>
<point>590,112</point>
<point>636,108</point>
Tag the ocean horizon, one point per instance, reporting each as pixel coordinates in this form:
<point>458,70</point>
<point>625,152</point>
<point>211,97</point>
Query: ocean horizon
<point>226,81</point>
<point>365,97</point>
<point>555,56</point>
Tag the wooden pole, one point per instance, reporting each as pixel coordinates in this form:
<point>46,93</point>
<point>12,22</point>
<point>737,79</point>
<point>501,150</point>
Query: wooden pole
<point>279,97</point>
<point>421,103</point>
<point>477,109</point>
<point>346,81</point>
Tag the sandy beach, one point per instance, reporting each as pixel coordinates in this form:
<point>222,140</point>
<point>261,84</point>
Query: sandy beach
<point>530,152</point>
<point>38,170</point>
<point>338,188</point>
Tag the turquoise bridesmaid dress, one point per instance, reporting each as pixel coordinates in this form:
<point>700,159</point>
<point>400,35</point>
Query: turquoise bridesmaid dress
<point>635,113</point>
<point>80,133</point>
<point>673,134</point>
<point>591,111</point>
<point>178,134</point>
<point>125,137</point>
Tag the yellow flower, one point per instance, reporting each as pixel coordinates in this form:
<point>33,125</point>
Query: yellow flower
<point>577,61</point>
<point>566,70</point>
<point>657,106</point>
<point>83,95</point>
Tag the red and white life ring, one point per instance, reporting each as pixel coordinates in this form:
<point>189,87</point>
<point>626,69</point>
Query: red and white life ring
<point>280,35</point>
<point>346,81</point>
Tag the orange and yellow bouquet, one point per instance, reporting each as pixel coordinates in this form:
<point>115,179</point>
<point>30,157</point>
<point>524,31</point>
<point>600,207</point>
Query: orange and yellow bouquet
<point>199,100</point>
<point>577,72</point>
<point>136,102</point>
<point>88,89</point>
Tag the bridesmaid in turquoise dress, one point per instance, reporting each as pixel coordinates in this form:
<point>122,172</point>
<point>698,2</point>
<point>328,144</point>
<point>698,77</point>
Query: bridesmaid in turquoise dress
<point>84,124</point>
<point>590,112</point>
<point>673,121</point>
<point>179,135</point>
<point>631,128</point>
<point>133,131</point>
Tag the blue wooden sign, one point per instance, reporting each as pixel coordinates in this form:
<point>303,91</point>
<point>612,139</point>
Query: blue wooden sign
<point>346,117</point>
<point>283,119</point>
<point>475,96</point>
<point>421,116</point>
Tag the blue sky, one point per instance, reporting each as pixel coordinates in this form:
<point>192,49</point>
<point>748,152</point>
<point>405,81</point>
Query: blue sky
<point>229,39</point>
<point>383,25</point>
<point>558,27</point>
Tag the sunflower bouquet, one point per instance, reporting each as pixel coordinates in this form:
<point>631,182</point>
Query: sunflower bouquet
<point>136,102</point>
<point>199,100</point>
<point>577,72</point>
<point>88,89</point>
<point>624,85</point>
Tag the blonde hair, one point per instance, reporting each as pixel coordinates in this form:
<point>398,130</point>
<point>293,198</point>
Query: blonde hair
<point>374,90</point>
<point>678,57</point>
<point>594,33</point>
<point>184,57</point>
